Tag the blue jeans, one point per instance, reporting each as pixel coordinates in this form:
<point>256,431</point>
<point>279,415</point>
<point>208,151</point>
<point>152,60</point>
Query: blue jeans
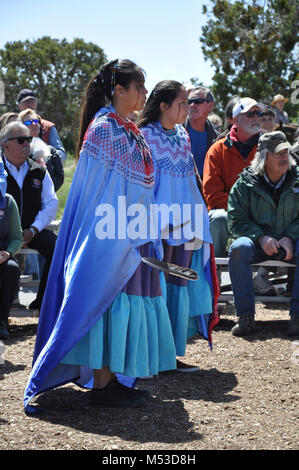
<point>243,252</point>
<point>218,230</point>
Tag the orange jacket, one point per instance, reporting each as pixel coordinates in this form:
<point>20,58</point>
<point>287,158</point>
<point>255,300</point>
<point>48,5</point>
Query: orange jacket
<point>223,164</point>
<point>46,129</point>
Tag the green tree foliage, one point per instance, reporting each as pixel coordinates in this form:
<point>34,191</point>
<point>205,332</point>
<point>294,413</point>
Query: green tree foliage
<point>252,47</point>
<point>57,70</point>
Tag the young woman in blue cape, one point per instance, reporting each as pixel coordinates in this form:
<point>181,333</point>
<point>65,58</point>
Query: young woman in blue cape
<point>103,312</point>
<point>191,305</point>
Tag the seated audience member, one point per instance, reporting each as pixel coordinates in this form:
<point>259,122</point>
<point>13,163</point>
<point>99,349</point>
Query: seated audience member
<point>10,243</point>
<point>41,152</point>
<point>268,123</point>
<point>201,131</point>
<point>8,117</point>
<point>32,188</point>
<point>263,217</point>
<point>216,121</point>
<point>5,119</point>
<point>49,134</point>
<point>228,113</point>
<point>261,283</point>
<point>281,116</point>
<point>224,161</point>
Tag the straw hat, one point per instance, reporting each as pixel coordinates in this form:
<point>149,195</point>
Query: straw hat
<point>279,98</point>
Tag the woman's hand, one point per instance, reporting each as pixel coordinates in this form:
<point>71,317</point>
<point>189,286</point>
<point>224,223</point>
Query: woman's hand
<point>4,256</point>
<point>27,237</point>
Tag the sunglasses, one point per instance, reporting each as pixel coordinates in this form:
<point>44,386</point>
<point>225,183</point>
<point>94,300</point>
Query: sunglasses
<point>267,118</point>
<point>20,139</point>
<point>197,100</point>
<point>267,114</point>
<point>31,121</point>
<point>251,114</point>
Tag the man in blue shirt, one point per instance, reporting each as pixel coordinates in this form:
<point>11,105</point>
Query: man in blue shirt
<point>201,131</point>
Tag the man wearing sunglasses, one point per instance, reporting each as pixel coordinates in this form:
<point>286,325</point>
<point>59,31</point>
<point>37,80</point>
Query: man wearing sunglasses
<point>224,161</point>
<point>32,188</point>
<point>49,134</point>
<point>201,131</point>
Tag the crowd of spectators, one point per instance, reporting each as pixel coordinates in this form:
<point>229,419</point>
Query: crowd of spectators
<point>32,157</point>
<point>249,177</point>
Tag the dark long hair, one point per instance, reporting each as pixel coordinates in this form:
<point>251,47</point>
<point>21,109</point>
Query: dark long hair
<point>100,88</point>
<point>164,92</point>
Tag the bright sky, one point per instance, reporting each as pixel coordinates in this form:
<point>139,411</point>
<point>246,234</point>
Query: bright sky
<point>162,36</point>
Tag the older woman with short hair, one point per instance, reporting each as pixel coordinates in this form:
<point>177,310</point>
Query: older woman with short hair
<point>44,154</point>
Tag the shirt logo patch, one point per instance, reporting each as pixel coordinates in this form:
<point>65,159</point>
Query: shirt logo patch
<point>36,183</point>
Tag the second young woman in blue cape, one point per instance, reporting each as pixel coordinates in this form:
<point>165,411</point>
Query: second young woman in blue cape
<point>103,312</point>
<point>191,305</point>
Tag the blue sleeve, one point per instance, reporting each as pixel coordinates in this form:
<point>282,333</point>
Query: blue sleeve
<point>55,141</point>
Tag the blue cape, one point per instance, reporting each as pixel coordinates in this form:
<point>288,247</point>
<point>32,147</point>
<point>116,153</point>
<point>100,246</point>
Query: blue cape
<point>87,272</point>
<point>175,182</point>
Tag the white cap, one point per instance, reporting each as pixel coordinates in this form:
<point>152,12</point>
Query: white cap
<point>244,105</point>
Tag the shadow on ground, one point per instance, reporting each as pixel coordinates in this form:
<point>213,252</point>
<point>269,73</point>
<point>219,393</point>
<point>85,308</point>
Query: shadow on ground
<point>164,419</point>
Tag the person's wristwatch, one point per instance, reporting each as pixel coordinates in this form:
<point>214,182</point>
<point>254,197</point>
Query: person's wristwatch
<point>33,230</point>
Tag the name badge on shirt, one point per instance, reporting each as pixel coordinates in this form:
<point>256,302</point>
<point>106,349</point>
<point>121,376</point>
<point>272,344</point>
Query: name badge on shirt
<point>36,183</point>
<point>1,213</point>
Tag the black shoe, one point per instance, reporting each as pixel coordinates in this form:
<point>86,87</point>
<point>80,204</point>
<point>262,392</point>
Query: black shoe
<point>143,393</point>
<point>117,395</point>
<point>293,329</point>
<point>245,326</point>
<point>35,305</point>
<point>4,333</point>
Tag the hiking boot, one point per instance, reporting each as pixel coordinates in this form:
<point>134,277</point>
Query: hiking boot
<point>182,367</point>
<point>4,333</point>
<point>117,395</point>
<point>261,283</point>
<point>293,329</point>
<point>245,326</point>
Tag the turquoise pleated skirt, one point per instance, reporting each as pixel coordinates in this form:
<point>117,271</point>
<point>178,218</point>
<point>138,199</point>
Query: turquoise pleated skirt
<point>134,336</point>
<point>189,304</point>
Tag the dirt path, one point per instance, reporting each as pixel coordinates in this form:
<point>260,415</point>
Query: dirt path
<point>244,397</point>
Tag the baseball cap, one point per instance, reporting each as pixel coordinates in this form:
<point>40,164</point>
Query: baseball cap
<point>25,94</point>
<point>273,141</point>
<point>244,105</point>
<point>268,110</point>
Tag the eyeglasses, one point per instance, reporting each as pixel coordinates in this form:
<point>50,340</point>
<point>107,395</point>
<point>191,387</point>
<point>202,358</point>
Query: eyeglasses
<point>267,114</point>
<point>267,117</point>
<point>251,114</point>
<point>197,101</point>
<point>20,139</point>
<point>31,121</point>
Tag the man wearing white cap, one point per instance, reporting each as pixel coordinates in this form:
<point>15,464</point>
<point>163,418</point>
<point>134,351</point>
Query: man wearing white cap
<point>224,161</point>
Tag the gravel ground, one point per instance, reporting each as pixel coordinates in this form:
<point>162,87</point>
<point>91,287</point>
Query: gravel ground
<point>245,397</point>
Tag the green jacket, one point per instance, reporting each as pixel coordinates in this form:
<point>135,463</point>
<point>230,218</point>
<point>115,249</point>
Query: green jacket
<point>252,211</point>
